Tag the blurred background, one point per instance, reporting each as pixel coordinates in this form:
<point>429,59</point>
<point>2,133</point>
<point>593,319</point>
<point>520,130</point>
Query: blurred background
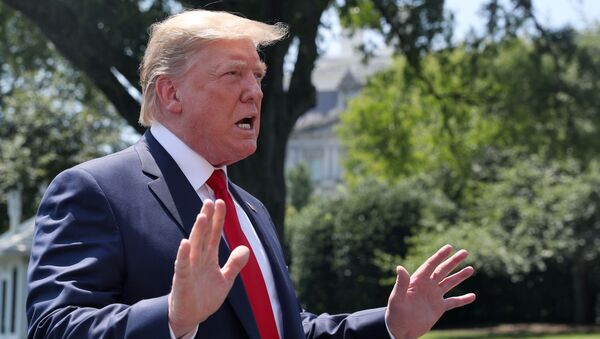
<point>389,128</point>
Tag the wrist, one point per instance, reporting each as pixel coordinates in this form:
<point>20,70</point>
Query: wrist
<point>180,331</point>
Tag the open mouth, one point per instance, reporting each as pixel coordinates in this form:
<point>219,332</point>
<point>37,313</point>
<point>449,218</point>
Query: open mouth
<point>246,123</point>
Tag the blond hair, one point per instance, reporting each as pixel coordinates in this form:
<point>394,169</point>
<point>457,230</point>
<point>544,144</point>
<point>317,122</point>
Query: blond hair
<point>175,40</point>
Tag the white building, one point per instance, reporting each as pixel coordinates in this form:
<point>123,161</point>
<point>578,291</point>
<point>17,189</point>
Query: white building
<point>15,246</point>
<point>313,140</point>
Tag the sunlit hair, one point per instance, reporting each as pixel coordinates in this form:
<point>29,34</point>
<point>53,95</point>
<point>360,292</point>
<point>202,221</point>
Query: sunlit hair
<point>175,40</point>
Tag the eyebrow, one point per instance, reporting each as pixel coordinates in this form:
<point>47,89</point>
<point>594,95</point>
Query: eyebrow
<point>261,66</point>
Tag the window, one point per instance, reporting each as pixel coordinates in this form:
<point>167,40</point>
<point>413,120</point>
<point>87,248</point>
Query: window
<point>9,295</point>
<point>13,305</point>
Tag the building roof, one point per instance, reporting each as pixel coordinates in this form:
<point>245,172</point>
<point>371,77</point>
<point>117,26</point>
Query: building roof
<point>18,241</point>
<point>313,120</point>
<point>331,77</point>
<point>330,72</point>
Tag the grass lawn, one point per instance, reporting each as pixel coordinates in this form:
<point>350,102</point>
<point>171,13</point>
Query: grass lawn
<point>518,331</point>
<point>487,335</point>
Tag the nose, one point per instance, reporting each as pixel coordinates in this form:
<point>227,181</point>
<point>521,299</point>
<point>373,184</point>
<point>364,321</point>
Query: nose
<point>252,91</point>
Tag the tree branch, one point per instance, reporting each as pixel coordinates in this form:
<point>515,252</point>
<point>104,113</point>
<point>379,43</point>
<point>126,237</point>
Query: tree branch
<point>88,50</point>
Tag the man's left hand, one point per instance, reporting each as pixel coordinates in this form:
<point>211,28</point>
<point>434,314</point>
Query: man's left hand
<point>417,302</point>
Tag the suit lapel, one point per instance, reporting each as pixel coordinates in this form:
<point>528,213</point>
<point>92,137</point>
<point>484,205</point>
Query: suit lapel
<point>169,184</point>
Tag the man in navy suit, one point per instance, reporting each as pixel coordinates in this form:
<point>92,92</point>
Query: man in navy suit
<point>120,250</point>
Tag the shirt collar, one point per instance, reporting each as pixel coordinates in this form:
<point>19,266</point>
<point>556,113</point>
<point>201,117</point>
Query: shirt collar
<point>196,169</point>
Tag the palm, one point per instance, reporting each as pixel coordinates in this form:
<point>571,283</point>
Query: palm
<point>200,285</point>
<point>416,303</point>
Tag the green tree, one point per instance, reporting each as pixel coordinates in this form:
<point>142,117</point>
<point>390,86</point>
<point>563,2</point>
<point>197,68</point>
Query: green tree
<point>395,128</point>
<point>509,98</point>
<point>536,216</point>
<point>310,238</point>
<point>51,118</point>
<point>300,188</point>
<point>338,243</point>
<point>480,119</point>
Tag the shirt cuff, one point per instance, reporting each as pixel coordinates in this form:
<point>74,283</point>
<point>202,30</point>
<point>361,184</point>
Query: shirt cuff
<point>188,335</point>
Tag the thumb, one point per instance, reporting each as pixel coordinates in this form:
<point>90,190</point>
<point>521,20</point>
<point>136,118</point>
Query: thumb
<point>402,282</point>
<point>237,260</point>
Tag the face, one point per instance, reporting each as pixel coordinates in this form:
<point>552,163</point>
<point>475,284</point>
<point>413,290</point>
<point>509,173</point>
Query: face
<point>220,99</point>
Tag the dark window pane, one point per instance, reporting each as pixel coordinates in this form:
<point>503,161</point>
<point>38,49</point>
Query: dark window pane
<point>13,306</point>
<point>3,306</point>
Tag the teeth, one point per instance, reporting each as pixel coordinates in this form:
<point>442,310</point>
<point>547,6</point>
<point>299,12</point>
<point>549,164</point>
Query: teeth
<point>243,126</point>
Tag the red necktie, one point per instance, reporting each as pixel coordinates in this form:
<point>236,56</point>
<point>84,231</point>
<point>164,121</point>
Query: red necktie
<point>251,275</point>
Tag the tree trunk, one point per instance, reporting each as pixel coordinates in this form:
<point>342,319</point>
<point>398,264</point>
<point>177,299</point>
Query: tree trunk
<point>88,48</point>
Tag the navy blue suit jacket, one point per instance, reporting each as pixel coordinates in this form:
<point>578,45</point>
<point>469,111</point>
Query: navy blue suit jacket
<point>106,238</point>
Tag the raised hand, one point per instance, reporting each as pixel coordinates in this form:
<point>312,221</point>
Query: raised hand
<point>200,285</point>
<point>417,302</point>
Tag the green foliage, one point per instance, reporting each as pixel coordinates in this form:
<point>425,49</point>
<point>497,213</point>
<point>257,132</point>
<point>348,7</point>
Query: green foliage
<point>411,27</point>
<point>50,117</point>
<point>394,129</point>
<point>542,213</point>
<point>547,102</point>
<point>337,243</point>
<point>472,103</point>
<point>311,243</point>
<point>507,128</point>
<point>525,228</point>
<point>535,214</point>
<point>300,187</point>
<point>535,227</point>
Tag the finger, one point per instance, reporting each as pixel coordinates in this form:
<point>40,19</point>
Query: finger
<point>208,209</point>
<point>237,260</point>
<point>200,230</point>
<point>182,262</point>
<point>449,265</point>
<point>457,278</point>
<point>402,283</point>
<point>459,301</point>
<point>182,272</point>
<point>434,261</point>
<point>195,235</point>
<point>218,222</point>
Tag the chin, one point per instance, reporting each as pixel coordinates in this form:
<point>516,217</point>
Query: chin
<point>247,154</point>
<point>239,156</point>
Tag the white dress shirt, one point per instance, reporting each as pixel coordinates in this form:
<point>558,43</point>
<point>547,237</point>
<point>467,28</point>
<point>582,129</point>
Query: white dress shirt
<point>197,171</point>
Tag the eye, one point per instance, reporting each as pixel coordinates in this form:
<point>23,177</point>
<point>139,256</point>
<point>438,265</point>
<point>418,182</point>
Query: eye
<point>232,72</point>
<point>259,76</point>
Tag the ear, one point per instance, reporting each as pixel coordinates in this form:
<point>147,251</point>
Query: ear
<point>167,94</point>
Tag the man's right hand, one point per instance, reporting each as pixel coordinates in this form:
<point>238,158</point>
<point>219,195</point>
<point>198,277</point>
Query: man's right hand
<point>200,285</point>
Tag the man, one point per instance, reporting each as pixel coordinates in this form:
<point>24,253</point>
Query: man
<point>120,250</point>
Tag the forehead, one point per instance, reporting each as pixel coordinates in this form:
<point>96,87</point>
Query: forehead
<point>239,53</point>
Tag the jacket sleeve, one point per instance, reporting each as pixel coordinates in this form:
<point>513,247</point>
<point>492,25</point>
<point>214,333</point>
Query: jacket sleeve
<point>77,269</point>
<point>363,324</point>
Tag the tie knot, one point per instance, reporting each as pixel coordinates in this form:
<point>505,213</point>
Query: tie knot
<point>217,181</point>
